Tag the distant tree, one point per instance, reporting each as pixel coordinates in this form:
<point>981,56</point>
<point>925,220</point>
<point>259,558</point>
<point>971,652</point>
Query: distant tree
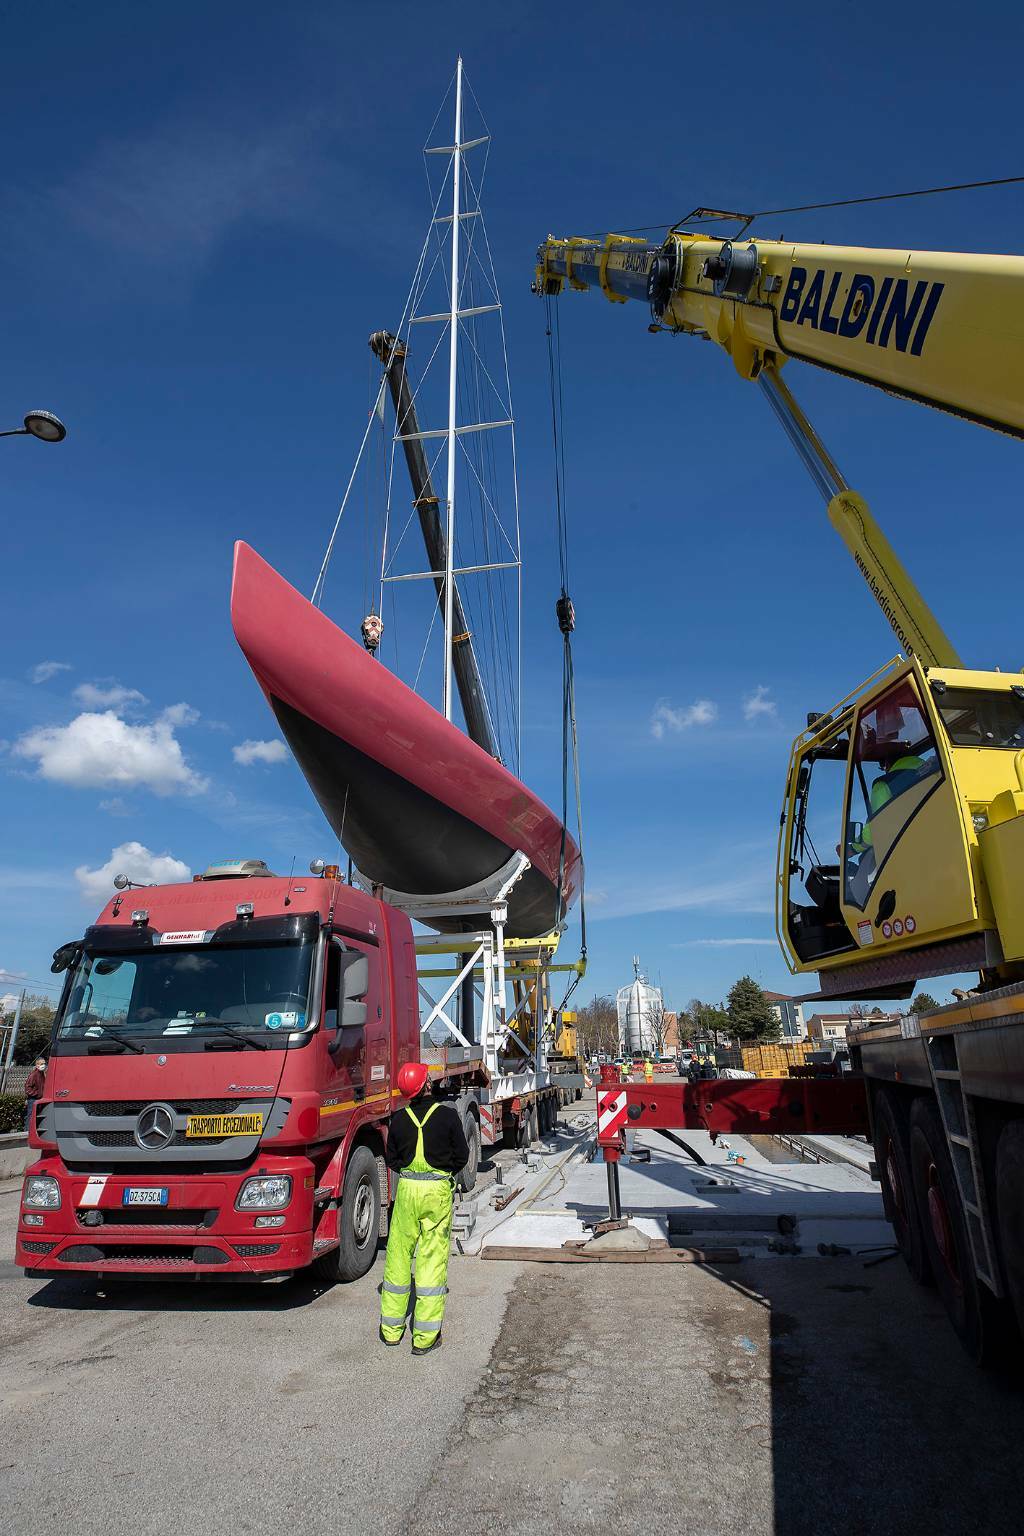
<point>750,1013</point>
<point>597,1026</point>
<point>654,1024</point>
<point>706,1020</point>
<point>923,1002</point>
<point>34,1030</point>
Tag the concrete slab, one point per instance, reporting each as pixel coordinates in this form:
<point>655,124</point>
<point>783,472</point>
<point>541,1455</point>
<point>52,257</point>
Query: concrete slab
<point>737,1198</point>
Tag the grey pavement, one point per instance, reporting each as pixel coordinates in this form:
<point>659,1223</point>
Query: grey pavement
<point>757,1399</point>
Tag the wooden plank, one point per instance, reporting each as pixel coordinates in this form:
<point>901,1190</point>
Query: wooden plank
<point>650,1256</point>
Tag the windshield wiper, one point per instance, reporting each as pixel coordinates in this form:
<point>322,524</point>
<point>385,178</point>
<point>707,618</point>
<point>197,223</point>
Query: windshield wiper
<point>236,1034</point>
<point>111,1034</point>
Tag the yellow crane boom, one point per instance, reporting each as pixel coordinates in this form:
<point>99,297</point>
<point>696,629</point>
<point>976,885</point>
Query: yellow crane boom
<point>944,328</point>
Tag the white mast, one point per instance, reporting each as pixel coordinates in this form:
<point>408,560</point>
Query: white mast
<point>453,360</point>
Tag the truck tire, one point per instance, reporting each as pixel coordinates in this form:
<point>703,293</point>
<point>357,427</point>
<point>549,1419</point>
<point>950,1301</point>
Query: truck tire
<point>467,1178</point>
<point>532,1119</point>
<point>358,1222</point>
<point>1010,1213</point>
<point>970,1306</point>
<point>898,1187</point>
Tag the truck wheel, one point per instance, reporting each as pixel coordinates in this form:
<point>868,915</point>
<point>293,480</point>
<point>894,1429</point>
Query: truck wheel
<point>467,1178</point>
<point>545,1115</point>
<point>532,1124</point>
<point>970,1306</point>
<point>1010,1212</point>
<point>898,1187</point>
<point>358,1221</point>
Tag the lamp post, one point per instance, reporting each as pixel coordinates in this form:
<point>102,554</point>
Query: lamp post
<point>42,424</point>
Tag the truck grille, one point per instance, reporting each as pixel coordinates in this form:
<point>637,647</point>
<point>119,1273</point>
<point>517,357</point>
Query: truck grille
<point>140,1254</point>
<point>183,1218</point>
<point>127,1139</point>
<point>109,1107</point>
<point>255,1250</point>
<point>38,1247</point>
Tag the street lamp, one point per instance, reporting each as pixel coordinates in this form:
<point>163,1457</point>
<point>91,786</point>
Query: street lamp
<point>42,424</point>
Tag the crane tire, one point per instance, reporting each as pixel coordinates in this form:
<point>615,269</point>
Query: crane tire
<point>467,1178</point>
<point>970,1306</point>
<point>1010,1213</point>
<point>897,1183</point>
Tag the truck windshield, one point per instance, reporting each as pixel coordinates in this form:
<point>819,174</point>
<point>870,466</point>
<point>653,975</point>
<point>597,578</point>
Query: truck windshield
<point>975,718</point>
<point>189,990</point>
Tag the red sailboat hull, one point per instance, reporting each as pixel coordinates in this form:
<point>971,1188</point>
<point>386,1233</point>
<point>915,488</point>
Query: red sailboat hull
<point>418,806</point>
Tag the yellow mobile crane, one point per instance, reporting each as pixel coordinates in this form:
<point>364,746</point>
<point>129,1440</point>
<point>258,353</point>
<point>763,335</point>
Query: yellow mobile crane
<point>918,869</point>
<point>926,812</point>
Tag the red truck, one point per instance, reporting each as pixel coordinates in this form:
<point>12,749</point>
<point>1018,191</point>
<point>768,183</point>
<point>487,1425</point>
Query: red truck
<point>220,1078</point>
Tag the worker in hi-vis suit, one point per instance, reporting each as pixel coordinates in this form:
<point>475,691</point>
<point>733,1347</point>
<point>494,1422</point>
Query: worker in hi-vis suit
<point>427,1148</point>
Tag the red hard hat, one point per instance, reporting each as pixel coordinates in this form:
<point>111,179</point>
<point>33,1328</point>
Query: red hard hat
<point>412,1078</point>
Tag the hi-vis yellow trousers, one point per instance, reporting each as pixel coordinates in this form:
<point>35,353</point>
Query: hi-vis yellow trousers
<point>421,1225</point>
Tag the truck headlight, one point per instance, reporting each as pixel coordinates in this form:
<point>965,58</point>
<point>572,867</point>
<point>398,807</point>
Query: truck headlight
<point>42,1192</point>
<point>265,1194</point>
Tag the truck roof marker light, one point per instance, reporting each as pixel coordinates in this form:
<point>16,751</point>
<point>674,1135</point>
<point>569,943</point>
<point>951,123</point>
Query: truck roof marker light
<point>121,882</point>
<point>331,871</point>
<point>140,915</point>
<point>244,909</point>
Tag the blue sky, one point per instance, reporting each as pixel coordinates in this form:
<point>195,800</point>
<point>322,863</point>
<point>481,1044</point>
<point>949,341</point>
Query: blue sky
<point>206,211</point>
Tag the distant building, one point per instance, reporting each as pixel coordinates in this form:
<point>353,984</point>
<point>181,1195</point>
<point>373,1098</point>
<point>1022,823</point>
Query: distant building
<point>831,1028</point>
<point>790,1015</point>
<point>672,1041</point>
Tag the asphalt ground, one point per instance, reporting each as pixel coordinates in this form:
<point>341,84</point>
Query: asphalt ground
<point>776,1396</point>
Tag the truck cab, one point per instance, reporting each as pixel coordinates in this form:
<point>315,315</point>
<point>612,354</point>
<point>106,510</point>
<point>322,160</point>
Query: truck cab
<point>220,1075</point>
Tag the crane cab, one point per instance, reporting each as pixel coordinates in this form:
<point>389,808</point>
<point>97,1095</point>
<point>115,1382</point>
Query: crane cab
<point>901,849</point>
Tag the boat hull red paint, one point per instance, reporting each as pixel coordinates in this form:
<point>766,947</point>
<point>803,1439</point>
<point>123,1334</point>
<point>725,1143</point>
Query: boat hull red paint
<point>419,806</point>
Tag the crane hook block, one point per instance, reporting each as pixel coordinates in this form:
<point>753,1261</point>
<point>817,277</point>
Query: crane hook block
<point>566,614</point>
<point>372,628</point>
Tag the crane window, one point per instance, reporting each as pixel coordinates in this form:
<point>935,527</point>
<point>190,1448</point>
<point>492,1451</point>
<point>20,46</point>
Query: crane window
<point>976,718</point>
<point>895,767</point>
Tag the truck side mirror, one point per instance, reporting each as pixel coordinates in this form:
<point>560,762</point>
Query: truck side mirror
<point>355,983</point>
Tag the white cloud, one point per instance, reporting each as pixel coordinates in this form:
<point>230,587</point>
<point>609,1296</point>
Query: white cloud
<point>249,752</point>
<point>115,806</point>
<point>137,862</point>
<point>102,751</point>
<point>749,892</point>
<point>758,703</point>
<point>178,715</point>
<point>720,943</point>
<point>667,718</point>
<point>44,670</point>
<point>6,975</point>
<point>112,696</point>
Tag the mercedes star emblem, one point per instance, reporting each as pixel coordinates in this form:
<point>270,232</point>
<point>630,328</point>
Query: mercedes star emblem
<point>154,1129</point>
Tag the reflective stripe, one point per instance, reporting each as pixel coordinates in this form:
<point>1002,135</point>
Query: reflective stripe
<point>407,1173</point>
<point>396,1290</point>
<point>419,1327</point>
<point>392,1322</point>
<point>431,1290</point>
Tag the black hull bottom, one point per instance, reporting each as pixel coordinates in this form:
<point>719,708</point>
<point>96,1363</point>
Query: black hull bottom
<point>401,837</point>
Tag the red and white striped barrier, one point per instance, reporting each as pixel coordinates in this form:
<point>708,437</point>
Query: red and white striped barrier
<point>611,1113</point>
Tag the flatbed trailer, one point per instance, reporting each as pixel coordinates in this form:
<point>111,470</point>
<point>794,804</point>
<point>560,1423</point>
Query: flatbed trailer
<point>940,1096</point>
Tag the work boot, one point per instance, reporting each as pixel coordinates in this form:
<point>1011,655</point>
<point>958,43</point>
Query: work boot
<point>425,1349</point>
<point>391,1343</point>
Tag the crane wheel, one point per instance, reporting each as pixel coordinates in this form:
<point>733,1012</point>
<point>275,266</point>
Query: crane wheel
<point>970,1306</point>
<point>1010,1213</point>
<point>898,1186</point>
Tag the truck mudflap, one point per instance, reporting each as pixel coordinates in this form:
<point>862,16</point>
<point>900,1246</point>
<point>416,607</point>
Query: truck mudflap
<point>164,1227</point>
